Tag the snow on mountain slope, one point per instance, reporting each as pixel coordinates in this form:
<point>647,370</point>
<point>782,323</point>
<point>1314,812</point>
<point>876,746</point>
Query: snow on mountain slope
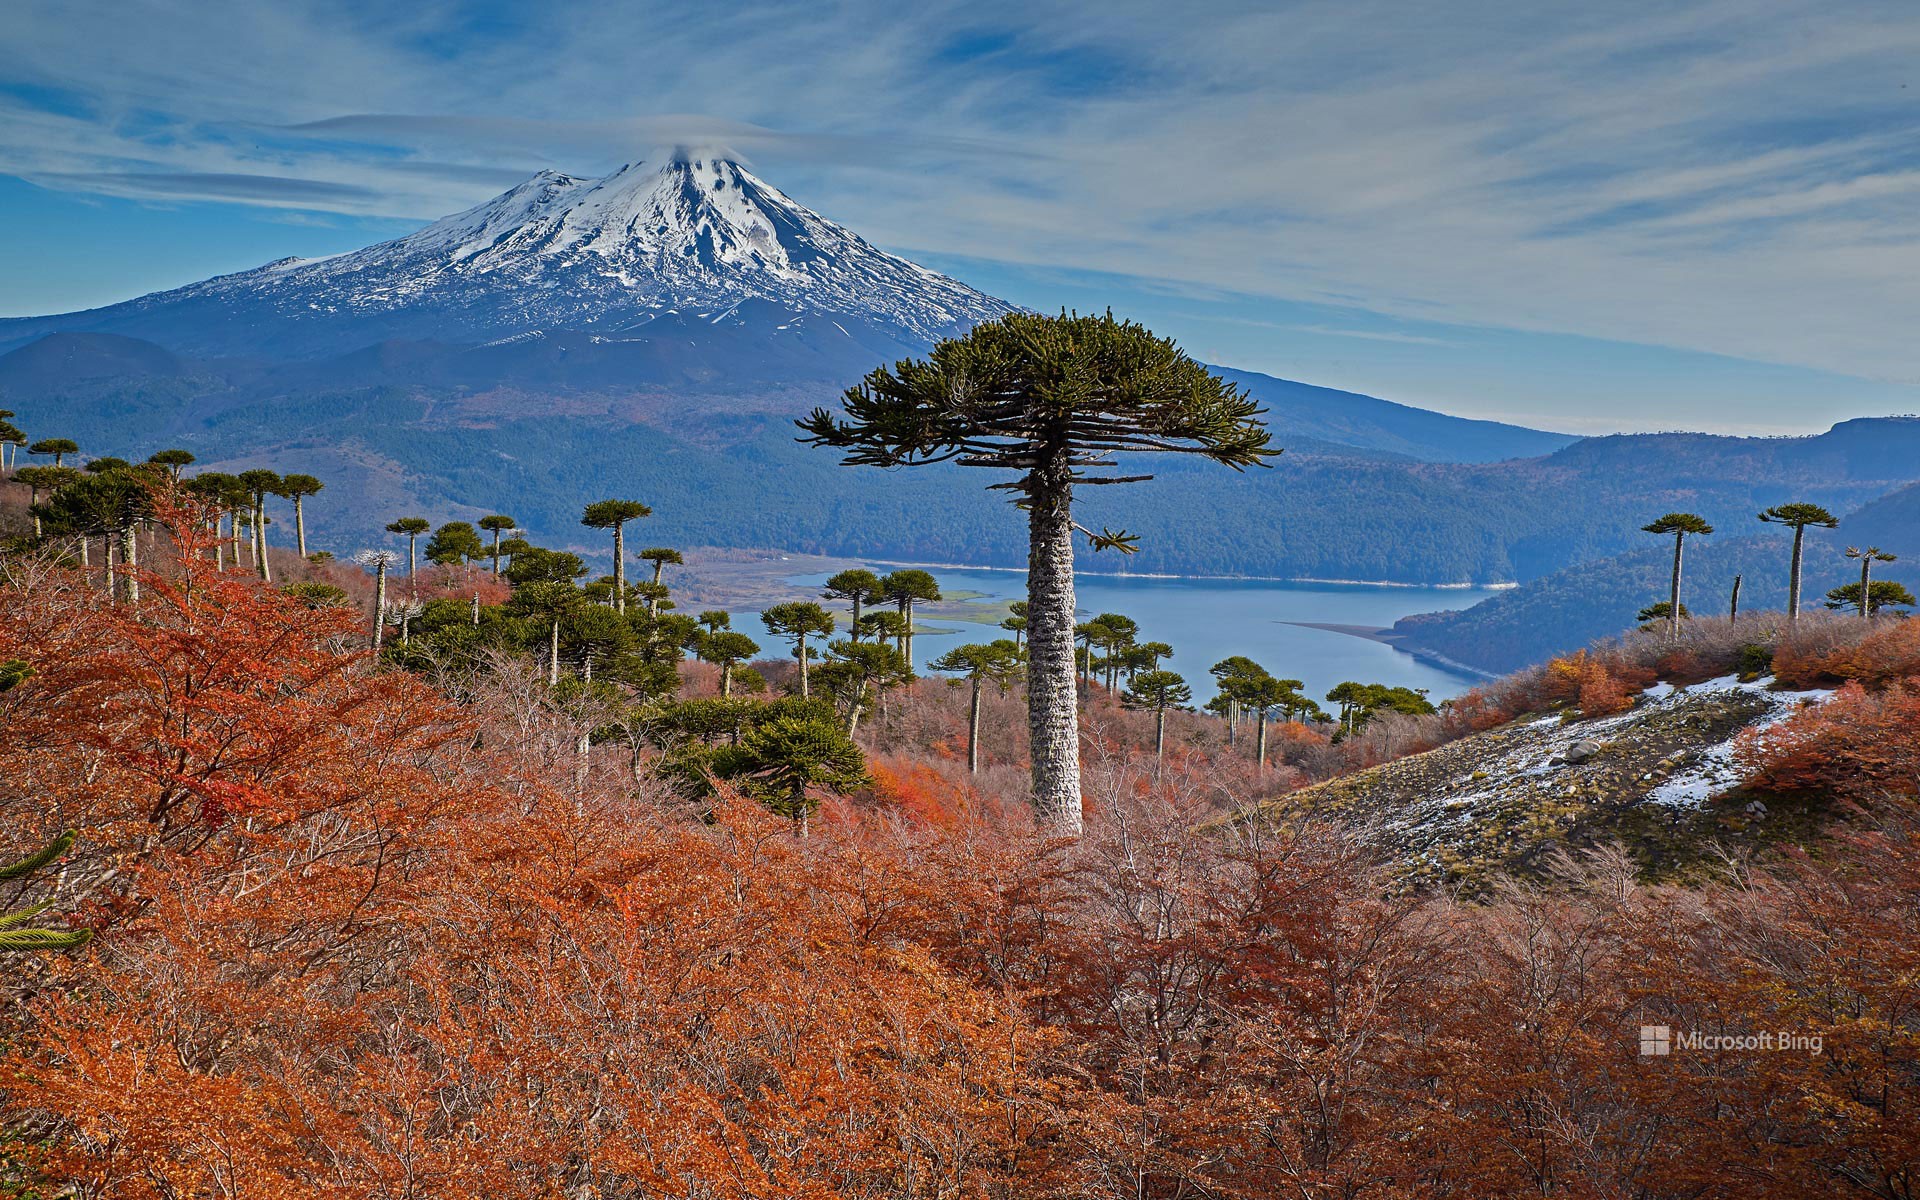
<point>605,255</point>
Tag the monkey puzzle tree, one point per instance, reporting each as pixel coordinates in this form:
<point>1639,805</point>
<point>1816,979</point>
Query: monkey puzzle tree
<point>796,622</point>
<point>1157,691</point>
<point>857,586</point>
<point>1259,694</point>
<point>660,557</point>
<point>12,440</point>
<point>1660,613</point>
<point>1867,557</point>
<point>455,543</point>
<point>1113,634</point>
<point>1237,666</point>
<point>260,483</point>
<point>1679,525</point>
<point>497,524</point>
<point>887,625</point>
<point>174,461</point>
<point>58,447</point>
<point>1798,517</point>
<point>1015,621</point>
<point>411,528</point>
<point>548,601</point>
<point>297,488</point>
<point>999,661</point>
<point>724,648</point>
<point>614,515</point>
<point>786,760</point>
<point>380,561</point>
<point>906,588</point>
<point>1144,656</point>
<point>856,670</point>
<point>1882,595</point>
<point>1053,399</point>
<point>13,935</point>
<point>42,479</point>
<point>110,504</point>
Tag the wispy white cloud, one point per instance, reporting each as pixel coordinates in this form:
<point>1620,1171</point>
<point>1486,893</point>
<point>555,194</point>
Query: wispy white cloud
<point>1732,176</point>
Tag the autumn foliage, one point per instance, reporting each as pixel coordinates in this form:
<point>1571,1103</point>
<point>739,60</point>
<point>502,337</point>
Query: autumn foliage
<point>358,938</point>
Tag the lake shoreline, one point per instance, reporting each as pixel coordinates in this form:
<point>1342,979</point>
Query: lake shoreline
<point>732,578</point>
<point>1387,637</point>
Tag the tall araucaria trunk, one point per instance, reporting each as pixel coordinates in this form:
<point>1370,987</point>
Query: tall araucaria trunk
<point>1793,574</point>
<point>260,540</point>
<point>973,729</point>
<point>620,569</point>
<point>379,605</point>
<point>1260,738</point>
<point>1866,587</point>
<point>1673,596</point>
<point>553,654</point>
<point>130,555</point>
<point>1159,737</point>
<point>801,649</point>
<point>1052,703</point>
<point>299,524</point>
<point>1733,605</point>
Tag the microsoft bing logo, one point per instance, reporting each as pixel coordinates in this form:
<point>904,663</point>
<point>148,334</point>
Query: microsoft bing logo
<point>1657,1041</point>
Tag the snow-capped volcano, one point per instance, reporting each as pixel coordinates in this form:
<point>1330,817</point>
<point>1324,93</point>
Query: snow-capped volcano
<point>687,237</point>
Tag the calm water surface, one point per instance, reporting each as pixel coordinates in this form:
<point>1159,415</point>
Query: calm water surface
<point>1206,620</point>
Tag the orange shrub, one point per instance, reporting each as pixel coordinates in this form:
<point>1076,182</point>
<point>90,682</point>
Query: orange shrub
<point>1889,651</point>
<point>1858,745</point>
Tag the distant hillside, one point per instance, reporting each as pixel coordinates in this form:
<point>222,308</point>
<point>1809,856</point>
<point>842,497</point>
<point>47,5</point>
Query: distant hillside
<point>1596,599</point>
<point>1351,419</point>
<point>1891,523</point>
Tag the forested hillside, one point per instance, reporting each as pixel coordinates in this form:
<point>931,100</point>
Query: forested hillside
<point>726,471</point>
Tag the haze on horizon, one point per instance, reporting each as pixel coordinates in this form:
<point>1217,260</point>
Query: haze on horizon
<point>1623,216</point>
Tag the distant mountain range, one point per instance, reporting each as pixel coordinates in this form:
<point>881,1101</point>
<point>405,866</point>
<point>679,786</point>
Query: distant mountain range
<point>653,333</point>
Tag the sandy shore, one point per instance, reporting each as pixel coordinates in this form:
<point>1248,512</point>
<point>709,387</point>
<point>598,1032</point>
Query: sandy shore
<point>1387,637</point>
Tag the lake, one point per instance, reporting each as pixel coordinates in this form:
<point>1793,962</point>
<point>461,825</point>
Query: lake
<point>1206,620</point>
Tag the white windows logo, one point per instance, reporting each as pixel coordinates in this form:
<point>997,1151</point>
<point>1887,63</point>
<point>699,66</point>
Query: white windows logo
<point>1655,1039</point>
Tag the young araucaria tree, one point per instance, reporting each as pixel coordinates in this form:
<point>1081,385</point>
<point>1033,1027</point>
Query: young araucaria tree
<point>1052,398</point>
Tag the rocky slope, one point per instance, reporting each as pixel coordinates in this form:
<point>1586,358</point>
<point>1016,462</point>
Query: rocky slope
<point>1659,778</point>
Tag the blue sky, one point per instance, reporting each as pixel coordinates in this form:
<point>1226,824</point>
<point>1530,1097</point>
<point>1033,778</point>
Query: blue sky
<point>1616,215</point>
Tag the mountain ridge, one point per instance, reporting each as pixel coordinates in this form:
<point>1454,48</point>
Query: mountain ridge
<point>555,252</point>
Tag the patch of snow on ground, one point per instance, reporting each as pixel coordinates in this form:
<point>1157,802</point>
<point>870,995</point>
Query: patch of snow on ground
<point>1716,771</point>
